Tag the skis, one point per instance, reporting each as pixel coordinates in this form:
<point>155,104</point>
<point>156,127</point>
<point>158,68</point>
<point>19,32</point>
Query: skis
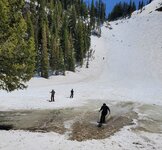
<point>99,124</point>
<point>50,101</point>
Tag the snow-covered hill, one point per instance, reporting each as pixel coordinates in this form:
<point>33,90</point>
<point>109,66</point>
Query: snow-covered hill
<point>134,55</point>
<point>126,65</point>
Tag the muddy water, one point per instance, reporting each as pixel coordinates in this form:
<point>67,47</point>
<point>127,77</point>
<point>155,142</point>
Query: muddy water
<point>81,123</point>
<point>150,118</point>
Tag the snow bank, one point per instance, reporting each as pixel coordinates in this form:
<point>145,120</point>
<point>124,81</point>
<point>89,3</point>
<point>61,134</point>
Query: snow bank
<point>125,66</point>
<point>131,70</point>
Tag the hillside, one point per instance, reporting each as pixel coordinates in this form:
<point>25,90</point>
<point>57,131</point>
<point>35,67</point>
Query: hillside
<point>125,71</point>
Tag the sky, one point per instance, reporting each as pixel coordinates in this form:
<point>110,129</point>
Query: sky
<point>111,3</point>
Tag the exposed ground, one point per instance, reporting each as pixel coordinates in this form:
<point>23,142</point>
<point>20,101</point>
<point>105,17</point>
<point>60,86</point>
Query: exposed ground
<point>81,123</point>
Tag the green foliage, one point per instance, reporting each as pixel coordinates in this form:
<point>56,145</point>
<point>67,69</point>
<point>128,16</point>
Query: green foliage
<point>44,54</point>
<point>121,10</point>
<point>80,43</point>
<point>71,56</point>
<point>54,54</point>
<point>92,15</point>
<point>53,35</point>
<point>17,52</point>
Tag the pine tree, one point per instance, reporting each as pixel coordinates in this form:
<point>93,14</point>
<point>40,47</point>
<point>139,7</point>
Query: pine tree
<point>72,21</point>
<point>122,10</point>
<point>54,54</point>
<point>92,15</point>
<point>133,7</point>
<point>139,5</point>
<point>142,4</point>
<point>43,61</point>
<point>44,53</point>
<point>17,52</point>
<point>130,8</point>
<point>102,12</point>
<point>71,56</point>
<point>30,28</point>
<point>80,43</point>
<point>150,1</point>
<point>85,10</point>
<point>61,61</point>
<point>67,46</point>
<point>44,37</point>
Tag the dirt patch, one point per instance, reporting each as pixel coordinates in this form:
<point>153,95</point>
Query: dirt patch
<point>86,130</point>
<point>36,120</point>
<point>81,123</point>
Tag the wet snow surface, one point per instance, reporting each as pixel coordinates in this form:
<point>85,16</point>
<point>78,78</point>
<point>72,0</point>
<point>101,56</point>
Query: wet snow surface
<point>80,124</point>
<point>128,79</point>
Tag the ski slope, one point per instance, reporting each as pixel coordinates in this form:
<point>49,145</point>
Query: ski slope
<point>130,71</point>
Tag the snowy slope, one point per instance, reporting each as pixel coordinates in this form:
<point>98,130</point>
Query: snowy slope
<point>130,71</point>
<point>134,51</point>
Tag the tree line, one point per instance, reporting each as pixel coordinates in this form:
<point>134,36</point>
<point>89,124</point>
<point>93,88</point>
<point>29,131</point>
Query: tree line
<point>44,37</point>
<point>124,9</point>
<point>121,10</point>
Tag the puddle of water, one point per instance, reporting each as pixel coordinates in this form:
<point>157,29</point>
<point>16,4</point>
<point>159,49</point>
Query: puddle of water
<point>81,123</point>
<point>6,127</point>
<point>150,118</point>
<point>74,122</point>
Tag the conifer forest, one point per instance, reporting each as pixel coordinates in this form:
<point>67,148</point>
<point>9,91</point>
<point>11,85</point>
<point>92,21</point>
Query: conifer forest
<point>44,37</point>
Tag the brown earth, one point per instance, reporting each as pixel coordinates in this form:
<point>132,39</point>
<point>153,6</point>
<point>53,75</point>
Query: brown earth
<point>79,123</point>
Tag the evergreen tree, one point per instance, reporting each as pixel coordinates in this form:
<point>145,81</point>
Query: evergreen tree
<point>71,55</point>
<point>54,55</point>
<point>139,5</point>
<point>80,43</point>
<point>30,28</point>
<point>17,52</point>
<point>121,10</point>
<point>150,1</point>
<point>64,37</point>
<point>67,46</point>
<point>43,35</point>
<point>133,7</point>
<point>44,53</point>
<point>142,4</point>
<point>61,61</point>
<point>72,21</point>
<point>102,12</point>
<point>43,61</point>
<point>92,15</point>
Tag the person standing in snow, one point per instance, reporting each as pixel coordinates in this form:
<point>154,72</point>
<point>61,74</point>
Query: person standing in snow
<point>105,109</point>
<point>52,96</point>
<point>72,93</point>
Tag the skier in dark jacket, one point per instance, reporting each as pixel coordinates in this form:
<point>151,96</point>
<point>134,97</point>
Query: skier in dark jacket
<point>52,96</point>
<point>72,93</point>
<point>105,109</point>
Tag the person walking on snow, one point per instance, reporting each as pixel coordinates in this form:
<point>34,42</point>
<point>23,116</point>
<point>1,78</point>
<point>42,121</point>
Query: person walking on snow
<point>105,109</point>
<point>72,93</point>
<point>52,96</point>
